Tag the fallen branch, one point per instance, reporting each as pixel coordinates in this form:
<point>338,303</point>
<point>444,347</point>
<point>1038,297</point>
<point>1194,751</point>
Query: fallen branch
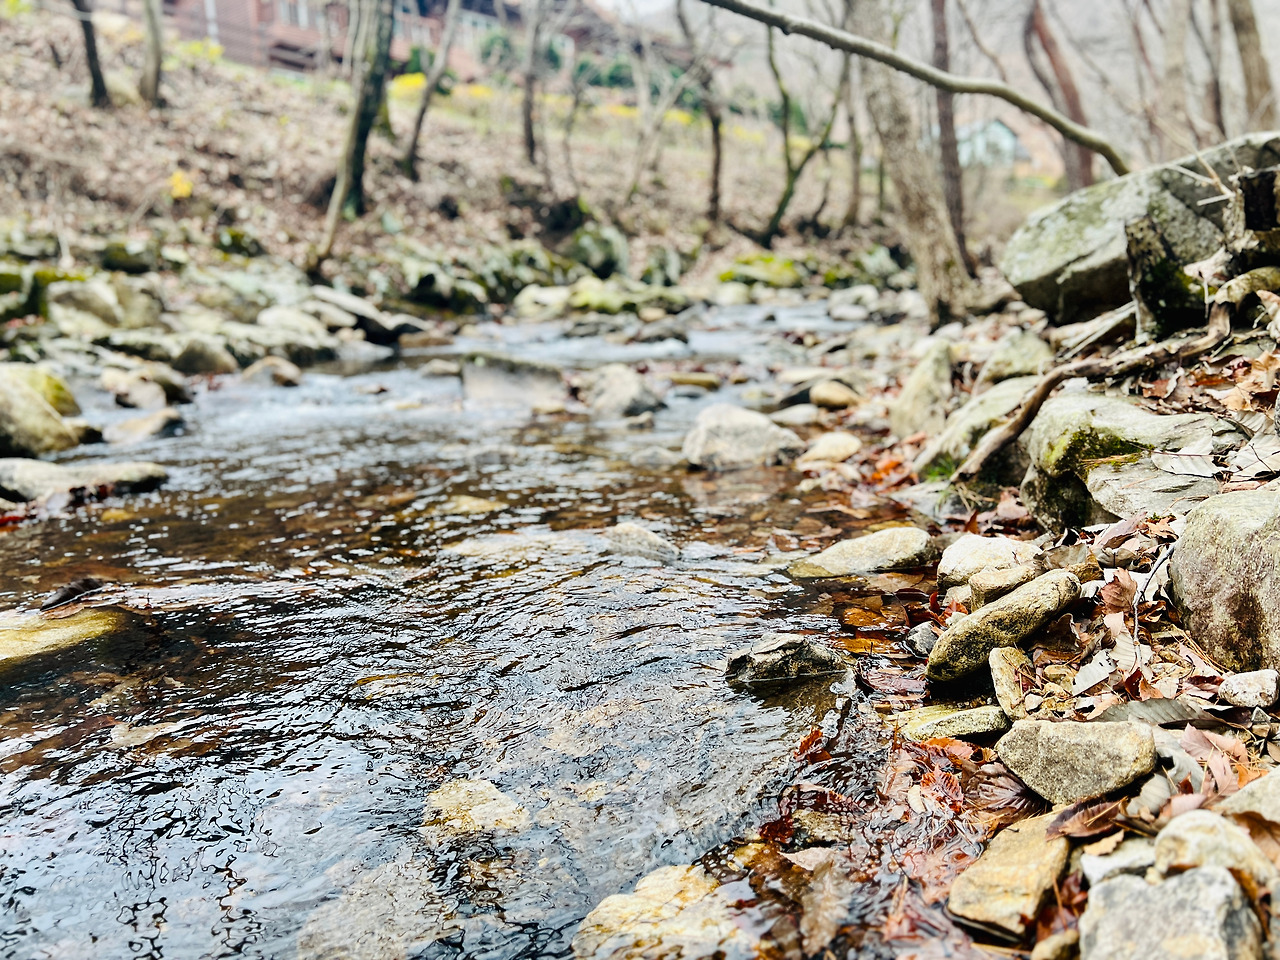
<point>862,47</point>
<point>1219,330</point>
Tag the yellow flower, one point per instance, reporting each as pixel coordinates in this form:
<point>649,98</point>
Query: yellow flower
<point>180,185</point>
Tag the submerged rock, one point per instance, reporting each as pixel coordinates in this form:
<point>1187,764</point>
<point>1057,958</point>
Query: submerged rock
<point>634,540</point>
<point>22,480</point>
<point>473,806</point>
<point>1009,883</point>
<point>1225,578</point>
<point>28,635</point>
<point>1067,761</point>
<point>966,644</point>
<point>724,437</point>
<point>678,911</point>
<point>783,658</point>
<point>617,391</point>
<point>894,548</point>
<point>1202,913</point>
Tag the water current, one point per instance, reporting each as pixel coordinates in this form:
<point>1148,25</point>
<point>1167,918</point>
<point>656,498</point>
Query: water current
<point>357,591</point>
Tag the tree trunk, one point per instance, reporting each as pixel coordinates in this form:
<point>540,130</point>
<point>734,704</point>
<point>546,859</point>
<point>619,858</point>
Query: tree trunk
<point>952,182</point>
<point>409,162</point>
<point>716,119</point>
<point>1259,97</point>
<point>98,95</point>
<point>922,209</point>
<point>533,29</point>
<point>348,190</point>
<point>1172,96</point>
<point>1077,159</point>
<point>149,83</point>
<point>1213,53</point>
<point>853,212</point>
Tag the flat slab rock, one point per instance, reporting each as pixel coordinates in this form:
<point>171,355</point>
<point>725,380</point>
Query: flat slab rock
<point>22,479</point>
<point>894,548</point>
<point>782,658</point>
<point>1067,761</point>
<point>1011,880</point>
<point>1200,914</point>
<point>944,720</point>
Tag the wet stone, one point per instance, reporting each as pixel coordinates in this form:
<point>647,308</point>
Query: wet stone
<point>634,540</point>
<point>1067,761</point>
<point>726,437</point>
<point>966,644</point>
<point>473,806</point>
<point>783,658</point>
<point>1009,883</point>
<point>29,426</point>
<point>921,638</point>
<point>618,391</point>
<point>1202,913</point>
<point>28,635</point>
<point>944,720</point>
<point>163,423</point>
<point>894,548</point>
<point>22,479</point>
<point>1257,688</point>
<point>276,370</point>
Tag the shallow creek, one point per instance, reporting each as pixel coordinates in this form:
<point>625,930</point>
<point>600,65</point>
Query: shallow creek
<point>356,591</point>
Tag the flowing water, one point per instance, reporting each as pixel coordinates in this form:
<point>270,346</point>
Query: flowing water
<point>355,592</point>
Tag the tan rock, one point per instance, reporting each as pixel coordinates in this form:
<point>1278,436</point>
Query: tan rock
<point>1010,881</point>
<point>833,395</point>
<point>1066,761</point>
<point>1202,838</point>
<point>1008,667</point>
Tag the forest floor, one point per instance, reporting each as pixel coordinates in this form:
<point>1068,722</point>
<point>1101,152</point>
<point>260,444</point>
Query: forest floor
<point>256,150</point>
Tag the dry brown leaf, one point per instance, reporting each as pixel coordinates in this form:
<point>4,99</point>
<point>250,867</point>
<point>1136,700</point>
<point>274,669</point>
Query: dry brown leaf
<point>1117,596</point>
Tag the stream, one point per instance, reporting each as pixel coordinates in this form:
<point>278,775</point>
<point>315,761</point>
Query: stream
<point>353,593</point>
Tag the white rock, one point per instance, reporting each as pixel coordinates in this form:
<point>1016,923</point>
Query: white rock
<point>972,554</point>
<point>1257,688</point>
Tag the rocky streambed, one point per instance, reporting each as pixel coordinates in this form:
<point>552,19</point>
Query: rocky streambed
<point>635,631</point>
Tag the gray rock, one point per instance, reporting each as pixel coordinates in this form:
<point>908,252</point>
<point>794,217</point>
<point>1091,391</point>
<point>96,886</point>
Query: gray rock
<point>945,720</point>
<point>154,345</point>
<point>163,423</point>
<point>1012,879</point>
<point>96,297</point>
<point>921,638</point>
<point>23,480</point>
<point>1009,667</point>
<point>440,367</point>
<point>725,437</point>
<point>1075,445</point>
<point>276,370</point>
<point>969,424</point>
<point>782,658</point>
<point>618,391</point>
<point>1202,913</point>
<point>29,426</point>
<point>1225,578</point>
<point>1133,856</point>
<point>894,548</point>
<point>1067,761</point>
<point>1201,838</point>
<point>348,302</point>
<point>800,415</point>
<point>922,403</point>
<point>988,585</point>
<point>1071,258</point>
<point>1260,798</point>
<point>205,355</point>
<point>332,316</point>
<point>966,644</point>
<point>1019,354</point>
<point>1258,688</point>
<point>972,553</point>
<point>634,540</point>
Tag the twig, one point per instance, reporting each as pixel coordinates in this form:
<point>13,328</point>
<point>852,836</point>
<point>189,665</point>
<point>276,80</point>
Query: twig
<point>996,440</point>
<point>862,47</point>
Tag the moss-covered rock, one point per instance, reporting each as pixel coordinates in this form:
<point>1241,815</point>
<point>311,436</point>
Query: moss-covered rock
<point>49,385</point>
<point>766,268</point>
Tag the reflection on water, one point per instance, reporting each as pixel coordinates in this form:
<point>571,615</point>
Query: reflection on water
<point>346,600</point>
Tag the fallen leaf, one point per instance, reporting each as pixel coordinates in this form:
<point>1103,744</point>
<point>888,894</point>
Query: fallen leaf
<point>1117,596</point>
<point>1088,818</point>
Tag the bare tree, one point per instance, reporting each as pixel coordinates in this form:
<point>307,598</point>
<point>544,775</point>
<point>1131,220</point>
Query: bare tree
<point>713,102</point>
<point>1062,90</point>
<point>98,94</point>
<point>949,148</point>
<point>795,163</point>
<point>1211,47</point>
<point>853,211</point>
<point>1259,96</point>
<point>439,64</point>
<point>149,83</point>
<point>658,86</point>
<point>348,189</point>
<point>1173,84</point>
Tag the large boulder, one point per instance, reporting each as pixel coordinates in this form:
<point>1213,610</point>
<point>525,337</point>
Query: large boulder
<point>1071,260</point>
<point>29,426</point>
<point>1090,463</point>
<point>1225,578</point>
<point>726,437</point>
<point>44,382</point>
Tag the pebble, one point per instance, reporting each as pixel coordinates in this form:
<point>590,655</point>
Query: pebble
<point>921,638</point>
<point>971,554</point>
<point>834,447</point>
<point>1257,688</point>
<point>833,395</point>
<point>945,720</point>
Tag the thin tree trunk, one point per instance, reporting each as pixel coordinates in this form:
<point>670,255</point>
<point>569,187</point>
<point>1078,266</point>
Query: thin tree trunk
<point>1259,96</point>
<point>409,162</point>
<point>716,119</point>
<point>1212,47</point>
<point>922,210</point>
<point>952,181</point>
<point>1077,159</point>
<point>348,190</point>
<point>533,31</point>
<point>98,94</point>
<point>1172,98</point>
<point>853,212</point>
<point>149,83</point>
